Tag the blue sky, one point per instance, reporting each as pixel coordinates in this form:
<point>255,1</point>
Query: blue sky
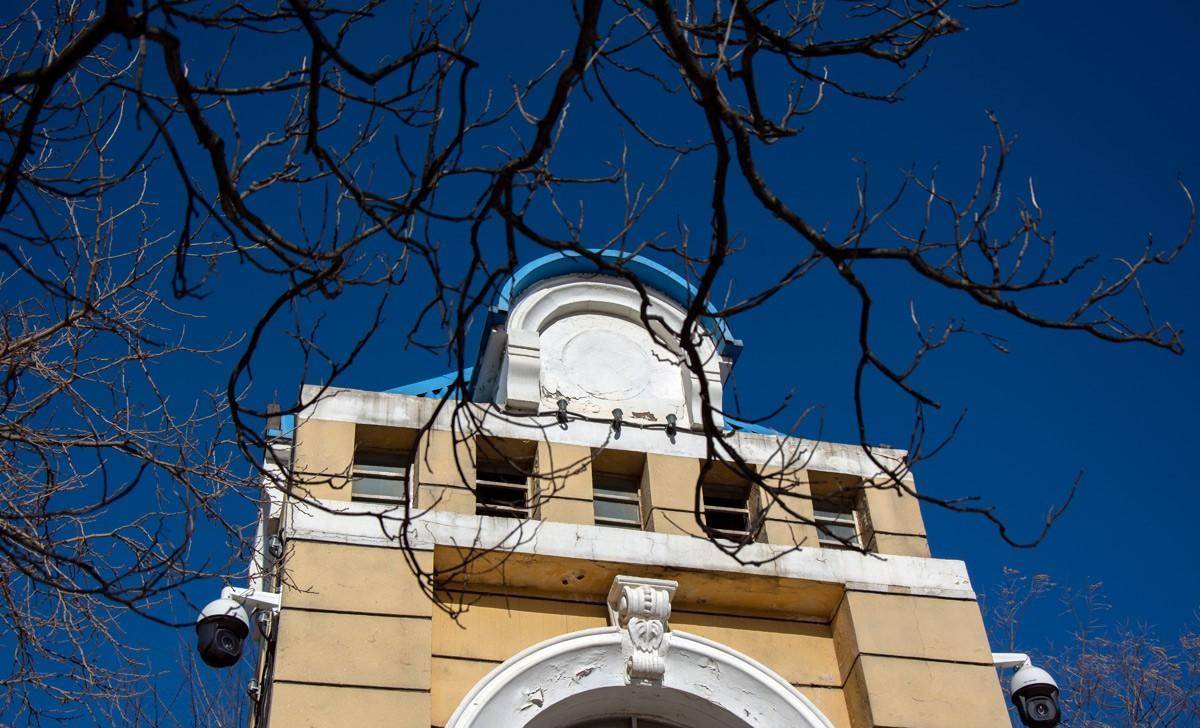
<point>1104,104</point>
<point>1104,133</point>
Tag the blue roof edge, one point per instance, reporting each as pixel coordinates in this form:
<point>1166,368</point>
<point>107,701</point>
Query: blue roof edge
<point>287,427</point>
<point>434,386</point>
<point>648,271</point>
<point>740,426</point>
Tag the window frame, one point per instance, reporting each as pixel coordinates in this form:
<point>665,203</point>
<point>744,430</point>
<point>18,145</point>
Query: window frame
<point>851,517</point>
<point>499,510</point>
<point>634,498</point>
<point>400,473</point>
<point>738,536</point>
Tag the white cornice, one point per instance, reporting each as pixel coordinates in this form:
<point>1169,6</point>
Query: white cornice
<point>401,410</point>
<point>366,524</point>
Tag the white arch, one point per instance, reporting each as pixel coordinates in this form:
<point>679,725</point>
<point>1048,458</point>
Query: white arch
<point>554,298</point>
<point>704,677</point>
<point>595,299</point>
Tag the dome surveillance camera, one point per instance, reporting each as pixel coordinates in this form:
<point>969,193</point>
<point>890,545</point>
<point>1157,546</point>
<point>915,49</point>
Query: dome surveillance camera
<point>224,623</point>
<point>1035,694</point>
<point>220,631</point>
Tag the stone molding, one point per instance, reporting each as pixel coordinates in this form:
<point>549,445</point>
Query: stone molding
<point>405,410</point>
<point>640,608</point>
<point>550,302</point>
<point>580,676</point>
<point>380,525</point>
<point>522,371</point>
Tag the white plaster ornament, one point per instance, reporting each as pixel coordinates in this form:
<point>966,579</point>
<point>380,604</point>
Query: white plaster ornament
<point>641,608</point>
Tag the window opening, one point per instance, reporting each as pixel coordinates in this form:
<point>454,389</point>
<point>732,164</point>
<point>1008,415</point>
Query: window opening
<point>727,510</point>
<point>380,476</point>
<point>617,500</point>
<point>838,521</point>
<point>502,480</point>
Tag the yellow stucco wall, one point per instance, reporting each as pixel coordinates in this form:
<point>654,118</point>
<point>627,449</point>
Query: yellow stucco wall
<point>353,641</point>
<point>444,469</point>
<point>359,642</point>
<point>801,652</point>
<point>564,489</point>
<point>908,660</point>
<point>444,473</point>
<point>491,629</point>
<point>669,488</point>
<point>327,706</point>
<point>790,496</point>
<point>896,520</point>
<point>324,454</point>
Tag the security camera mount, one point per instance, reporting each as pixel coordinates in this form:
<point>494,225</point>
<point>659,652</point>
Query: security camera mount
<point>1011,659</point>
<point>1034,692</point>
<point>253,599</point>
<point>225,622</point>
<point>262,606</point>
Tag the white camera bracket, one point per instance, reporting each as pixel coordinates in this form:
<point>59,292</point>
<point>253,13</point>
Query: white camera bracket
<point>1011,659</point>
<point>253,599</point>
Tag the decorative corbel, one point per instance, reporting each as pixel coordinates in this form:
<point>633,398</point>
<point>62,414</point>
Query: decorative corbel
<point>694,402</point>
<point>522,371</point>
<point>641,608</point>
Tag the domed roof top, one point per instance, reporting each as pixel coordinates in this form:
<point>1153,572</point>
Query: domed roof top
<point>522,294</point>
<point>651,274</point>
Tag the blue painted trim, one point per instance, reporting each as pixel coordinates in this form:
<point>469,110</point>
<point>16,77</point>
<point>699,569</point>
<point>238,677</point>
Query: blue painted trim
<point>430,387</point>
<point>739,426</point>
<point>652,274</point>
<point>287,426</point>
<point>494,319</point>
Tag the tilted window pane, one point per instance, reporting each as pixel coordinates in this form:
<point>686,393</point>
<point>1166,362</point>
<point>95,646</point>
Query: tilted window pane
<point>834,516</point>
<point>839,533</point>
<point>609,484</point>
<point>382,459</point>
<point>620,511</point>
<point>499,475</point>
<point>833,507</point>
<point>726,496</point>
<point>613,493</point>
<point>369,486</point>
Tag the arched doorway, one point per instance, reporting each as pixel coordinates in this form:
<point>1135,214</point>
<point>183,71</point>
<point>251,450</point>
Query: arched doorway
<point>581,680</point>
<point>624,722</point>
<point>636,706</point>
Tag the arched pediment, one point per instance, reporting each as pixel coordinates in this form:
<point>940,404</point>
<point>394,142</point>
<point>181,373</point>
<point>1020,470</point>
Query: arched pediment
<point>581,676</point>
<point>594,342</point>
<point>637,667</point>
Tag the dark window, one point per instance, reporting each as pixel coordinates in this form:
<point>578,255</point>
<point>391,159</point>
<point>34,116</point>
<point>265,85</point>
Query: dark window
<point>501,489</point>
<point>727,510</point>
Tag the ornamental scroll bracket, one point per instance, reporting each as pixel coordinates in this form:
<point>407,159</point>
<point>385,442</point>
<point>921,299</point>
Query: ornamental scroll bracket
<point>640,608</point>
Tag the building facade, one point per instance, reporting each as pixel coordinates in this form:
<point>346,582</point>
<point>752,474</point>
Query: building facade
<point>561,548</point>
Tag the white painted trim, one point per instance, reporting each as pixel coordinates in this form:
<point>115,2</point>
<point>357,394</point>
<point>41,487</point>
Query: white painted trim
<point>360,523</point>
<point>554,299</point>
<point>700,675</point>
<point>401,410</point>
<point>640,607</point>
